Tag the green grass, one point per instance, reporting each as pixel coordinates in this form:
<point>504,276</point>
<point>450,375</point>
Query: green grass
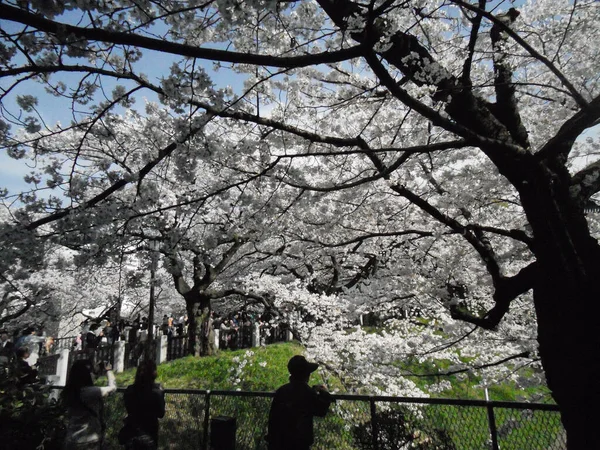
<point>265,370</point>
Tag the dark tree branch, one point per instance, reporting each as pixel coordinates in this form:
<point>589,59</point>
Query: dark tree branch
<point>562,143</point>
<point>8,317</point>
<point>62,30</point>
<point>365,272</point>
<point>502,27</point>
<point>482,247</point>
<point>180,284</point>
<point>518,235</point>
<point>524,354</point>
<point>506,108</point>
<point>472,118</point>
<point>238,242</point>
<point>104,194</point>
<point>372,236</point>
<point>362,146</point>
<point>476,21</point>
<point>587,182</point>
<point>507,289</point>
<point>162,154</point>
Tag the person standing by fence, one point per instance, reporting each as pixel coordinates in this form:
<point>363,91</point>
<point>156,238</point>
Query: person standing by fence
<point>85,407</point>
<point>294,406</point>
<point>145,404</point>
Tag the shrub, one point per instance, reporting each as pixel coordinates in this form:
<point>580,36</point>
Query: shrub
<point>398,428</point>
<point>30,418</point>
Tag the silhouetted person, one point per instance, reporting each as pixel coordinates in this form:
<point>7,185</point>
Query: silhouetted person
<point>85,407</point>
<point>294,406</point>
<point>91,338</point>
<point>7,349</point>
<point>26,373</point>
<point>145,404</point>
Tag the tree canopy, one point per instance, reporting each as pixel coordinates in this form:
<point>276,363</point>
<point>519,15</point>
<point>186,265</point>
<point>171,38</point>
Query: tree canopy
<point>368,156</point>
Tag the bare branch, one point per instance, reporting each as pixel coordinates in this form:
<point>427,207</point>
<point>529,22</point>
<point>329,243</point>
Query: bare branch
<point>96,34</point>
<point>507,289</point>
<point>574,93</point>
<point>524,354</point>
<point>561,144</point>
<point>587,182</point>
<point>476,21</point>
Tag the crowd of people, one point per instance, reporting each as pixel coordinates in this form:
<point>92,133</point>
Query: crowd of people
<point>24,350</point>
<point>290,425</point>
<point>292,410</point>
<point>84,402</point>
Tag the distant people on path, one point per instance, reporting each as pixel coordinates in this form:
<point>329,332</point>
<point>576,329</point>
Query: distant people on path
<point>7,350</point>
<point>166,330</point>
<point>145,404</point>
<point>26,373</point>
<point>294,406</point>
<point>32,341</point>
<point>85,407</point>
<point>91,337</point>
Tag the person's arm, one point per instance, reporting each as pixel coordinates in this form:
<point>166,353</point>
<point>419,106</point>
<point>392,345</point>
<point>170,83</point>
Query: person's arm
<point>160,399</point>
<point>93,392</point>
<point>111,384</point>
<point>321,400</point>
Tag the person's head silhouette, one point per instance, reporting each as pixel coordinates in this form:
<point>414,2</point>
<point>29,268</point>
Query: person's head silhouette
<point>300,369</point>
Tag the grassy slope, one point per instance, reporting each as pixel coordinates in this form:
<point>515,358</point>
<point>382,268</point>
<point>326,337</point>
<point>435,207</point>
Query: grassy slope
<point>219,373</point>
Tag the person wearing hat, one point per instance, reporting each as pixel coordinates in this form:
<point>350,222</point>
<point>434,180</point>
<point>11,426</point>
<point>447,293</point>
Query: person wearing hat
<point>294,406</point>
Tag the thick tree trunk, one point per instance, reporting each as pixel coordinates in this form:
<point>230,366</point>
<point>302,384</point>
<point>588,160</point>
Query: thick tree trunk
<point>569,346</point>
<point>566,297</point>
<point>200,326</point>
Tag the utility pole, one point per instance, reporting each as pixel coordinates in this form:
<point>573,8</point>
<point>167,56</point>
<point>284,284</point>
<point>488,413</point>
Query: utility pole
<point>150,353</point>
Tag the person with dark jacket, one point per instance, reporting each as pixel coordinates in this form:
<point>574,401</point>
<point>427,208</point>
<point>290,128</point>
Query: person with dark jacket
<point>85,407</point>
<point>7,349</point>
<point>294,406</point>
<point>26,373</point>
<point>145,404</point>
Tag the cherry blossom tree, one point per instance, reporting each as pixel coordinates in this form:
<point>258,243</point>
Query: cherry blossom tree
<point>470,117</point>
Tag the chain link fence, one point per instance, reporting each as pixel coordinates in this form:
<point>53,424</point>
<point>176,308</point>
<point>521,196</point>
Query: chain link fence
<point>357,422</point>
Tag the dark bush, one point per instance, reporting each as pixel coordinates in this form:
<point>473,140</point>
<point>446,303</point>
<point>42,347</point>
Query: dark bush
<point>399,428</point>
<point>30,418</point>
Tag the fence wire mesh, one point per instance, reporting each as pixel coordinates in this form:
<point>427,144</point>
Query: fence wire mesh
<point>516,427</point>
<point>354,423</point>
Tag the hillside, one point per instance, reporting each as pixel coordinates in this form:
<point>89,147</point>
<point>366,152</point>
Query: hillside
<point>264,369</point>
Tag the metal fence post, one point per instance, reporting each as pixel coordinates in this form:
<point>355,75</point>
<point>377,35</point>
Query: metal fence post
<point>206,420</point>
<point>119,356</point>
<point>492,422</point>
<point>374,427</point>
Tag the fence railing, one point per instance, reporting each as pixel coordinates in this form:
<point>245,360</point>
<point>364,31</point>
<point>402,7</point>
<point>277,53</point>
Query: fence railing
<point>48,365</point>
<point>124,355</point>
<point>357,422</point>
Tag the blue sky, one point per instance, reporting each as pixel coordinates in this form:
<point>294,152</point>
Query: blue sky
<point>55,109</point>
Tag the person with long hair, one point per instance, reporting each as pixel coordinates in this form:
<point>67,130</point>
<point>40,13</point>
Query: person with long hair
<point>85,407</point>
<point>145,404</point>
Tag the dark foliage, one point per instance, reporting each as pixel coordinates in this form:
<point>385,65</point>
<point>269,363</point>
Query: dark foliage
<point>399,428</point>
<point>30,418</point>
